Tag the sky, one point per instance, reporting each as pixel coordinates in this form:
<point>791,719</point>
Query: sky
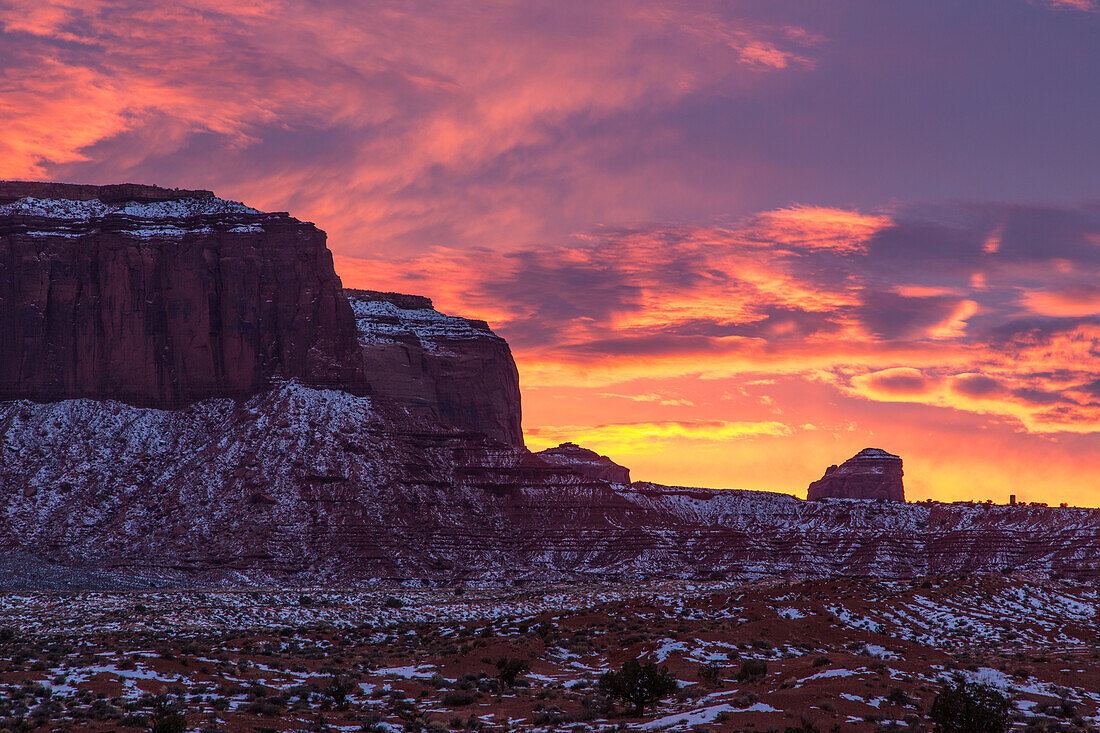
<point>730,243</point>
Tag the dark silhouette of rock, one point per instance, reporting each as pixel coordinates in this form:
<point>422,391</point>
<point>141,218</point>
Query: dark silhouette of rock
<point>586,462</point>
<point>161,297</point>
<point>442,368</point>
<point>870,474</point>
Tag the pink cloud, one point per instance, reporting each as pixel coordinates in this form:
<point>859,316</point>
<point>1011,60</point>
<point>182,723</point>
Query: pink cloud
<point>1076,300</point>
<point>1086,5</point>
<point>791,292</point>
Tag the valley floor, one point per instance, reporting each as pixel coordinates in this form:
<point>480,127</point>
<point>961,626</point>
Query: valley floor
<point>841,654</point>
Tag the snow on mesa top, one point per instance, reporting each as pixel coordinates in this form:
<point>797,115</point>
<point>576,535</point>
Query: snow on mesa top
<point>384,321</point>
<point>86,211</point>
<point>877,453</point>
<point>72,211</point>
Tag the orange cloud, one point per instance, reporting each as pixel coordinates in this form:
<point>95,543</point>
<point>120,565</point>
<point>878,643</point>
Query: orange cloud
<point>1079,300</point>
<point>818,228</point>
<point>632,438</point>
<point>954,325</point>
<point>1086,5</point>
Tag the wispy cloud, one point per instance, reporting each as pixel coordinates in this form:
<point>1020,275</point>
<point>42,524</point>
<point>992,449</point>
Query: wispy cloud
<point>390,123</point>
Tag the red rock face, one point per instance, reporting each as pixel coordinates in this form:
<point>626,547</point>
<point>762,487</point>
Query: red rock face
<point>586,462</point>
<point>161,298</point>
<point>442,368</point>
<point>870,474</point>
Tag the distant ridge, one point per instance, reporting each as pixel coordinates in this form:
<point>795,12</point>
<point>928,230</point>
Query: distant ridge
<point>116,193</point>
<point>401,300</point>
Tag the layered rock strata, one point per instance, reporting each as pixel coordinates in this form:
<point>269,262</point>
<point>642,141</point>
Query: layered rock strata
<point>301,485</point>
<point>441,368</point>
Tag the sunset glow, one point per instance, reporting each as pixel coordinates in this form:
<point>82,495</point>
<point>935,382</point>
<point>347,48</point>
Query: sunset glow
<point>729,244</point>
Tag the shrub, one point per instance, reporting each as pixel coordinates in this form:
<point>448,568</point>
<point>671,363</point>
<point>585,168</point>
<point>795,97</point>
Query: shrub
<point>822,661</point>
<point>134,720</point>
<point>457,699</point>
<point>898,697</point>
<point>753,670</point>
<point>392,602</point>
<point>637,683</point>
<point>969,707</point>
<point>711,674</point>
<point>166,718</point>
<point>492,686</point>
<point>337,690</point>
<point>510,669</point>
<point>263,707</point>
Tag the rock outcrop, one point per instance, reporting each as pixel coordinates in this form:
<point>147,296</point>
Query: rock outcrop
<point>441,368</point>
<point>586,462</point>
<point>160,297</point>
<point>870,474</point>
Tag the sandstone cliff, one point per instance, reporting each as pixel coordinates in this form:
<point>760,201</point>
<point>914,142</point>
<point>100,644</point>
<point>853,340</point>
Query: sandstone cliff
<point>870,474</point>
<point>161,297</point>
<point>441,368</point>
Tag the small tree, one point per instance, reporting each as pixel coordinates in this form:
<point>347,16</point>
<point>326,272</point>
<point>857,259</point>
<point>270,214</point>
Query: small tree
<point>166,718</point>
<point>969,707</point>
<point>640,684</point>
<point>510,669</point>
<point>711,674</point>
<point>337,691</point>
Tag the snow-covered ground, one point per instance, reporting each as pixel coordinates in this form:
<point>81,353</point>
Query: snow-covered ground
<point>857,654</point>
